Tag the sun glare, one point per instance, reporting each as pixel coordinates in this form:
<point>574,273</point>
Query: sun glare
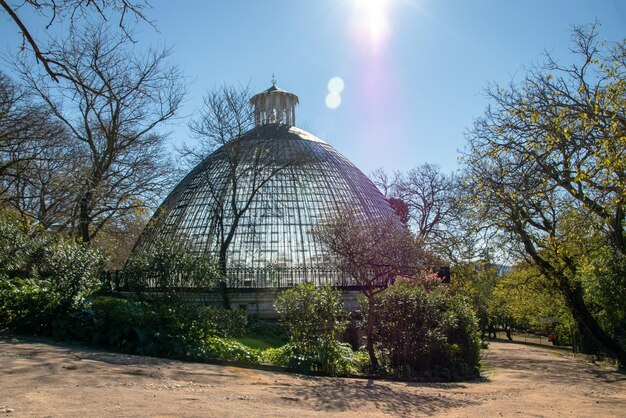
<point>370,23</point>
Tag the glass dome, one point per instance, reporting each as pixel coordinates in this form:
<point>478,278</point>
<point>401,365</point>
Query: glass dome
<point>316,183</point>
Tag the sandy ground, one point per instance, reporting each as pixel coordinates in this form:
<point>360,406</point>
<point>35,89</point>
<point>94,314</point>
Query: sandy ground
<point>42,379</point>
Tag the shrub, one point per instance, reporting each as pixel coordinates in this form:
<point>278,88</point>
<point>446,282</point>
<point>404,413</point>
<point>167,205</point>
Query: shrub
<point>328,357</point>
<point>169,268</point>
<point>139,327</point>
<point>121,323</point>
<point>311,313</point>
<point>72,269</point>
<point>64,273</point>
<point>170,330</point>
<point>227,349</point>
<point>420,332</point>
<point>226,323</point>
<point>362,362</point>
<point>313,317</point>
<point>51,277</point>
<point>15,248</point>
<point>26,305</point>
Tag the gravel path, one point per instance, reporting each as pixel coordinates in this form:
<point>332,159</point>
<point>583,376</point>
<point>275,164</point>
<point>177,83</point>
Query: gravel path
<point>43,379</point>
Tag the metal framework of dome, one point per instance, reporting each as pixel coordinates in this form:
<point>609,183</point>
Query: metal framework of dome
<point>276,228</point>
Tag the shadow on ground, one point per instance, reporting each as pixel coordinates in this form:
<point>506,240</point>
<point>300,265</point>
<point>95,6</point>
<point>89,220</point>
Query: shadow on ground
<point>344,395</point>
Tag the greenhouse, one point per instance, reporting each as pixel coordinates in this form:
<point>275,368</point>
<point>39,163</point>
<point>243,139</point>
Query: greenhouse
<point>268,188</point>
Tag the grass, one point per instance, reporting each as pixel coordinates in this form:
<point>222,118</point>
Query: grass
<point>261,342</point>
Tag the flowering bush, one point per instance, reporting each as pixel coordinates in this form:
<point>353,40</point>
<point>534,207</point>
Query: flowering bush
<point>42,278</point>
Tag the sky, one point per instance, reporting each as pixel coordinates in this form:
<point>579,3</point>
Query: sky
<point>407,75</point>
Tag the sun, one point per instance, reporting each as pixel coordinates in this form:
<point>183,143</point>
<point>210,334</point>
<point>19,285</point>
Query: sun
<point>370,22</point>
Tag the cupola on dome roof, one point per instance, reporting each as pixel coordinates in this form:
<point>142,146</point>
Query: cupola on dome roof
<point>274,106</point>
<point>310,182</point>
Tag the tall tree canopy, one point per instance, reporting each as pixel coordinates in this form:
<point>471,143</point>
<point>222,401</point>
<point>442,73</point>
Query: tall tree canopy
<point>114,117</point>
<point>546,165</point>
<point>34,163</point>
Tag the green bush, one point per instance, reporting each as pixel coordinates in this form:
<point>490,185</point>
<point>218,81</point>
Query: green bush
<point>227,349</point>
<point>225,323</point>
<point>121,323</point>
<point>50,277</point>
<point>170,268</point>
<point>78,324</point>
<point>15,248</point>
<point>169,330</point>
<point>64,273</point>
<point>140,327</point>
<point>72,269</point>
<point>314,317</point>
<point>310,313</point>
<point>425,333</point>
<point>328,356</point>
<point>362,362</point>
<point>26,305</point>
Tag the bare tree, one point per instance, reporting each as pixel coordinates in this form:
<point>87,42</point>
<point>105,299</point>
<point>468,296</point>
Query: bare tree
<point>248,161</point>
<point>40,192</point>
<point>385,182</point>
<point>34,167</point>
<point>374,253</point>
<point>24,127</point>
<point>70,12</point>
<point>430,195</point>
<point>434,206</point>
<point>114,117</point>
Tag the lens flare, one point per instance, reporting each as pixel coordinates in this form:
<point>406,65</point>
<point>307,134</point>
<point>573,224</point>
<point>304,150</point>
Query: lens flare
<point>335,85</point>
<point>333,100</point>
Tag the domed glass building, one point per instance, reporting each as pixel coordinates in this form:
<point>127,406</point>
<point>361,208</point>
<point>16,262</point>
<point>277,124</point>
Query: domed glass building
<point>265,191</point>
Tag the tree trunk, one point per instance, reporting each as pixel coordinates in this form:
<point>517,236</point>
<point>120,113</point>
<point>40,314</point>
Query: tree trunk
<point>575,302</point>
<point>222,287</point>
<point>585,320</point>
<point>84,221</point>
<point>370,331</point>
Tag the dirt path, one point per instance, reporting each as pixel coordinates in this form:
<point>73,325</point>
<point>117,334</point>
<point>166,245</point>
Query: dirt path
<point>40,379</point>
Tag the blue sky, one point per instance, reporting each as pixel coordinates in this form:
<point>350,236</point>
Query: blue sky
<point>413,70</point>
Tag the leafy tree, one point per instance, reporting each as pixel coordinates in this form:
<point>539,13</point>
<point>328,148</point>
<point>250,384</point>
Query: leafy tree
<point>374,254</point>
<point>525,299</point>
<point>545,166</point>
<point>477,280</point>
